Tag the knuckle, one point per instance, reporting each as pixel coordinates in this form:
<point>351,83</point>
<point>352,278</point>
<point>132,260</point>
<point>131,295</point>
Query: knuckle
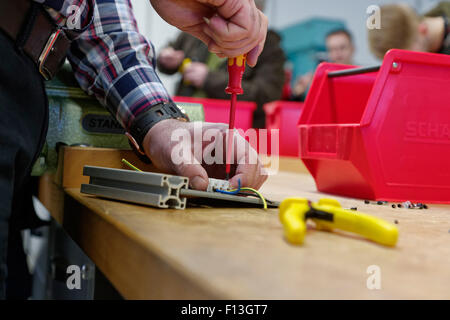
<point>227,36</point>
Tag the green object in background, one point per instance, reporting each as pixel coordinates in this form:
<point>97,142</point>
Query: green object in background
<point>304,43</point>
<point>78,119</point>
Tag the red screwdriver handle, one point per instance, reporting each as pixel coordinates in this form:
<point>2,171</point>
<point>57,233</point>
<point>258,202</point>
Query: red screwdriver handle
<point>236,68</point>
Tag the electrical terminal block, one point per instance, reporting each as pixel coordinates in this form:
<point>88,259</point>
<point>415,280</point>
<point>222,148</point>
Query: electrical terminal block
<point>217,184</point>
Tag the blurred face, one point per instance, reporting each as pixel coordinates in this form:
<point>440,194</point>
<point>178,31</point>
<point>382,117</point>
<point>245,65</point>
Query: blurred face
<point>422,40</point>
<point>421,44</point>
<point>340,49</point>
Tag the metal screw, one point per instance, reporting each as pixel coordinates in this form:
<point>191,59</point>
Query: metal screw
<point>408,205</point>
<point>395,65</point>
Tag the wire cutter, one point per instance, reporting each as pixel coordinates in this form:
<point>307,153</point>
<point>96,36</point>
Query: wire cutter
<point>328,215</point>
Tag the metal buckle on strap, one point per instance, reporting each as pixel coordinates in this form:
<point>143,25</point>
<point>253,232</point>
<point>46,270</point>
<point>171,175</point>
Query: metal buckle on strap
<point>134,143</point>
<point>48,49</point>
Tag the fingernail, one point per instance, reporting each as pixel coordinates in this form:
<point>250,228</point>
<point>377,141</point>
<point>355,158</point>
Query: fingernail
<point>207,21</point>
<point>198,183</point>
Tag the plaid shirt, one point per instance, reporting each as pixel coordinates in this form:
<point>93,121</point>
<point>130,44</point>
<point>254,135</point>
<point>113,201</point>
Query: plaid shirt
<point>110,58</point>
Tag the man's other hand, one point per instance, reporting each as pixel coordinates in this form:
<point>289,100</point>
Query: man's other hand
<point>170,58</point>
<point>195,73</point>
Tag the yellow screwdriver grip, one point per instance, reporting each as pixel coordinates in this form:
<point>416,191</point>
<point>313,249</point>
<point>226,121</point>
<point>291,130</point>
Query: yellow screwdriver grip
<point>184,64</point>
<point>239,61</point>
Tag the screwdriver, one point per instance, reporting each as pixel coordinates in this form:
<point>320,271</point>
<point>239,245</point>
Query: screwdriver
<point>236,68</point>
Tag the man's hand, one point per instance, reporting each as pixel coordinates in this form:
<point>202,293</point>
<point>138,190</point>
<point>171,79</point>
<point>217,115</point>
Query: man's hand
<point>302,84</point>
<point>191,149</point>
<point>195,74</point>
<point>228,27</point>
<point>170,58</point>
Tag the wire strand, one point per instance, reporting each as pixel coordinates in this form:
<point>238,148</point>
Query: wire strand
<point>239,189</point>
<point>259,195</point>
<point>231,192</point>
<point>131,166</point>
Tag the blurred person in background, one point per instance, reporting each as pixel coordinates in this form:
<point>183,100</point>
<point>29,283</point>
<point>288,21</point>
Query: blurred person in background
<point>403,28</point>
<point>205,75</point>
<point>340,49</point>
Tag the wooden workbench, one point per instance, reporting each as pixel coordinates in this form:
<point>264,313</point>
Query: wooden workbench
<point>241,253</point>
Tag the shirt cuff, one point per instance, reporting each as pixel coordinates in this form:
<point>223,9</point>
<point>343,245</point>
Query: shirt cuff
<point>136,91</point>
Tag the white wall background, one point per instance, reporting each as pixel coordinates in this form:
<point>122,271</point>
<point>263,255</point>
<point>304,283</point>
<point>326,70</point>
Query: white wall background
<point>282,13</point>
<point>157,31</point>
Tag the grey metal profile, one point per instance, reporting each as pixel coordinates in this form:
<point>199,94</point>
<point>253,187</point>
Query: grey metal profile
<point>153,189</point>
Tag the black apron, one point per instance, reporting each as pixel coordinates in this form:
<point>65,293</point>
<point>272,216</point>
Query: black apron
<point>23,129</point>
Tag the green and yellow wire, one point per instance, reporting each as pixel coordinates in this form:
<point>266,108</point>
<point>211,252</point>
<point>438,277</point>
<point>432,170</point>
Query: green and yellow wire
<point>237,191</point>
<point>131,166</point>
<point>258,194</point>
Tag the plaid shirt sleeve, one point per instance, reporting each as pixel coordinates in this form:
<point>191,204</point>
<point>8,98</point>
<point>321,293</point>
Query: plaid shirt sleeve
<point>114,62</point>
<point>75,15</point>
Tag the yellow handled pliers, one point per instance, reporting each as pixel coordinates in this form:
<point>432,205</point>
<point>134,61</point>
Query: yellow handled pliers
<point>328,215</point>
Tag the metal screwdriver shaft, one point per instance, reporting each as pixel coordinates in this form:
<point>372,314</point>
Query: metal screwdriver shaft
<point>236,68</point>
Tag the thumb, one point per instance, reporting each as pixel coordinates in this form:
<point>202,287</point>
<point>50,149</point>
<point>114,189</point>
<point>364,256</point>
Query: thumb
<point>252,56</point>
<point>198,178</point>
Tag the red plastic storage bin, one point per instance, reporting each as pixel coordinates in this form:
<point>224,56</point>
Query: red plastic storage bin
<point>382,135</point>
<point>284,116</point>
<point>219,111</point>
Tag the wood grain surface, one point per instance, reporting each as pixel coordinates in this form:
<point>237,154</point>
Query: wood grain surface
<point>241,254</point>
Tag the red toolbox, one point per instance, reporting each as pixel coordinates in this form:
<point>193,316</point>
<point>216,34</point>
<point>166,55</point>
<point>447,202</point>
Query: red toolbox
<point>284,116</point>
<point>380,134</point>
<point>219,111</point>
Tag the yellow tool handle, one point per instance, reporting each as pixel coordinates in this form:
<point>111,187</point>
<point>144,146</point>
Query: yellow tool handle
<point>329,215</point>
<point>293,221</point>
<point>184,64</point>
<point>370,227</point>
